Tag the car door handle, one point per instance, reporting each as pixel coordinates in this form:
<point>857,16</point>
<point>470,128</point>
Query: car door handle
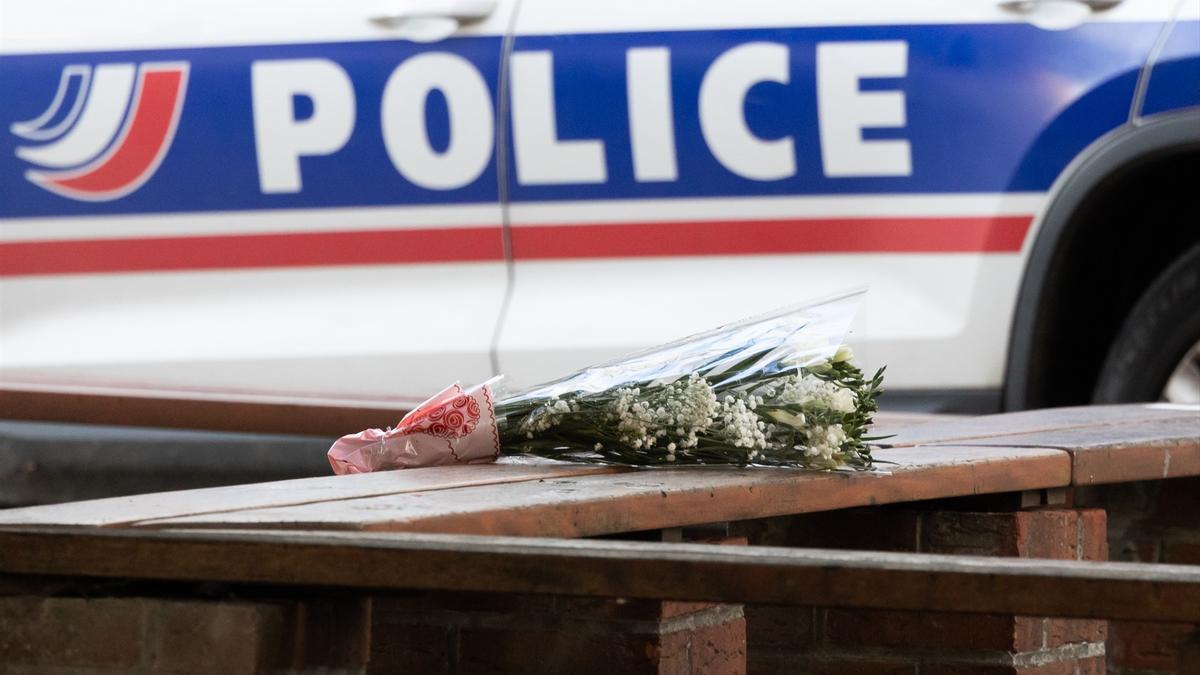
<point>1026,6</point>
<point>1056,14</point>
<point>461,11</point>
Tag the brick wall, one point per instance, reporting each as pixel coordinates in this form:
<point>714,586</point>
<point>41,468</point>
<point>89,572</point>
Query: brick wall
<point>476,633</point>
<point>1158,522</point>
<point>467,633</point>
<point>90,636</point>
<point>820,640</point>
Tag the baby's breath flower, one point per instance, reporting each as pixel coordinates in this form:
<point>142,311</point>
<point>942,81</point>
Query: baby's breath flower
<point>741,428</point>
<point>796,416</point>
<point>812,391</point>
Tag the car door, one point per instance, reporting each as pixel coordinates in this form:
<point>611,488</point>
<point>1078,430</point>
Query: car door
<point>678,165</point>
<point>266,197</point>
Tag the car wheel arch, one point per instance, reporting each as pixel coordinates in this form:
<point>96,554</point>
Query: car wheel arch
<point>1112,163</point>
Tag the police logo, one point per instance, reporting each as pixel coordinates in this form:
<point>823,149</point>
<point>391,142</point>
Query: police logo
<point>106,131</point>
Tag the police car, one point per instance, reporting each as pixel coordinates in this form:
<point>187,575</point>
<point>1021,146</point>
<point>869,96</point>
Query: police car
<point>377,198</point>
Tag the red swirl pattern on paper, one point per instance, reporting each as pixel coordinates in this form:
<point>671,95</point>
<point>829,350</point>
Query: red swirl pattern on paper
<point>441,431</point>
<point>453,419</point>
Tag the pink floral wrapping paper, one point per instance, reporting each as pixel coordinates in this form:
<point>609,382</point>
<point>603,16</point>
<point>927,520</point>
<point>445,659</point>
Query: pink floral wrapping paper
<point>456,426</point>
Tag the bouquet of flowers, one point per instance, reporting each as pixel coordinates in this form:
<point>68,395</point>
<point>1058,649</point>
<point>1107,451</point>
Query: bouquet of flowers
<point>779,389</point>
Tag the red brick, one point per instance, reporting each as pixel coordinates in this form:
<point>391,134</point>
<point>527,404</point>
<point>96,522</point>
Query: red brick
<point>926,630</point>
<point>777,635</point>
<point>1093,666</point>
<point>1060,632</point>
<point>715,650</point>
<point>1089,666</point>
<point>770,626</point>
<point>1029,633</point>
<point>1049,533</point>
<point>1148,646</point>
<point>1094,524</point>
<point>71,632</point>
<point>988,534</point>
<point>215,636</point>
<point>430,632</point>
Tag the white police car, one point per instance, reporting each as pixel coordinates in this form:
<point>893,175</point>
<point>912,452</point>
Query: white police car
<point>378,198</point>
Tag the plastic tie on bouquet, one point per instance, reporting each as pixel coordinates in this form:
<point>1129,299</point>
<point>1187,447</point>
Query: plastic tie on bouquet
<point>455,426</point>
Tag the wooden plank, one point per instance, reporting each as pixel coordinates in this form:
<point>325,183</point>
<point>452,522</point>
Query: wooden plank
<point>377,561</point>
<point>213,411</point>
<point>118,511</point>
<point>1118,453</point>
<point>219,410</point>
<point>1109,464</point>
<point>889,423</point>
<point>957,431</point>
<point>653,499</point>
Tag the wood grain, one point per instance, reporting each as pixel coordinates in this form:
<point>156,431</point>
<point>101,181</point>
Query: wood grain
<point>1147,449</point>
<point>1059,420</point>
<point>581,506</point>
<point>826,578</point>
<point>212,411</point>
<point>236,411</point>
<point>118,511</point>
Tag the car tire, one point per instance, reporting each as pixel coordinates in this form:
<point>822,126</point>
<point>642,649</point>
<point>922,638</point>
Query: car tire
<point>1162,329</point>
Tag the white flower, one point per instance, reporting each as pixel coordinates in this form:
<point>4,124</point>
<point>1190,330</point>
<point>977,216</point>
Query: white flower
<point>810,390</point>
<point>842,400</point>
<point>825,442</point>
<point>844,353</point>
<point>686,407</point>
<point>741,424</point>
<point>794,420</point>
<point>547,415</point>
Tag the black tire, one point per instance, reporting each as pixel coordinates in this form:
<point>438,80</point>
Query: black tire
<point>1163,326</point>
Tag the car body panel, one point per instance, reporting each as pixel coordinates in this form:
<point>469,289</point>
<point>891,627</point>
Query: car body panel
<point>996,108</point>
<point>223,270</point>
<point>353,281</point>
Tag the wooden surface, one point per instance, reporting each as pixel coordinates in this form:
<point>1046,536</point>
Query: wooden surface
<point>1108,444</point>
<point>566,500</point>
<point>216,410</point>
<point>959,429</point>
<point>126,511</point>
<point>941,459</point>
<point>211,411</point>
<point>581,506</point>
<point>809,577</point>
